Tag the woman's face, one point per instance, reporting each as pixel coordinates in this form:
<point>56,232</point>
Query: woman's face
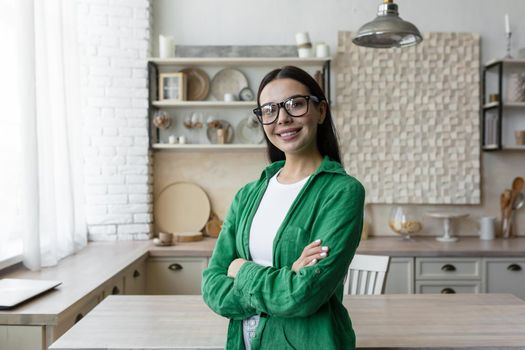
<point>292,135</point>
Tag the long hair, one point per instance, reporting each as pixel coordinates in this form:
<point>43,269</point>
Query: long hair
<point>327,143</point>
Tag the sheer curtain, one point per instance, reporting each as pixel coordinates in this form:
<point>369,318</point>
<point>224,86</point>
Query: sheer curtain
<point>51,206</point>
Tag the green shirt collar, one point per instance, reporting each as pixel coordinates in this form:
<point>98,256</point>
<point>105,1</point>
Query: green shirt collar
<point>327,166</point>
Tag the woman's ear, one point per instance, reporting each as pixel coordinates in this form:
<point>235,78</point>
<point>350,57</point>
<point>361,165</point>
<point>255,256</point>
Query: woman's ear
<point>323,107</point>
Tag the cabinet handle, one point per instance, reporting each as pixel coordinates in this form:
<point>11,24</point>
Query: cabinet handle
<point>514,267</point>
<point>79,317</point>
<point>448,268</point>
<point>448,291</point>
<point>175,267</point>
<point>136,274</point>
<point>115,290</point>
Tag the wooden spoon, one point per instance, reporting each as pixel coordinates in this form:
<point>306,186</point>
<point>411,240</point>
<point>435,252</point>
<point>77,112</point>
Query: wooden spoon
<point>518,184</point>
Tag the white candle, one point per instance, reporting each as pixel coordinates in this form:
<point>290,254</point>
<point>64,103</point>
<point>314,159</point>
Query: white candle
<point>166,46</point>
<point>507,24</point>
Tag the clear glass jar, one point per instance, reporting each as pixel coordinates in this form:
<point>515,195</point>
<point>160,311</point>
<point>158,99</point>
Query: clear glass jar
<point>403,221</point>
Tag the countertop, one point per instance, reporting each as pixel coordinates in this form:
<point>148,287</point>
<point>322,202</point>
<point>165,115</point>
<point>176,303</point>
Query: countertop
<point>82,273</point>
<point>422,321</point>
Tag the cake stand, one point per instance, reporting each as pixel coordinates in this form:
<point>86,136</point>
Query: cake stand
<point>447,217</point>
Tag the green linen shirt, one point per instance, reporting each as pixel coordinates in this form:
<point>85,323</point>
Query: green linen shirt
<point>301,310</point>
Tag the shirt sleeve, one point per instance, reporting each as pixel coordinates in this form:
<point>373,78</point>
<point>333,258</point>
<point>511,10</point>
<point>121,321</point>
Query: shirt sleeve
<point>217,288</point>
<point>283,293</point>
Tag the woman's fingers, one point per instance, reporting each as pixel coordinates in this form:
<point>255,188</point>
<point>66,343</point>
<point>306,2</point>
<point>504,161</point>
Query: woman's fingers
<point>311,254</point>
<point>312,262</point>
<point>321,251</point>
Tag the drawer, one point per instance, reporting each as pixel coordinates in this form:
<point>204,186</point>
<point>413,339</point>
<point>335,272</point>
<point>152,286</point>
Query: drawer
<point>448,268</point>
<point>447,287</point>
<point>135,278</point>
<point>75,314</point>
<point>174,275</point>
<point>505,275</point>
<point>114,287</point>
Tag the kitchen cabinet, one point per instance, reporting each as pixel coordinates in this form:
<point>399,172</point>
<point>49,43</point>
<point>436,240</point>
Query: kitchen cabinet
<point>505,275</point>
<point>500,118</point>
<point>169,275</point>
<point>400,276</point>
<point>22,337</point>
<point>233,112</point>
<point>449,275</point>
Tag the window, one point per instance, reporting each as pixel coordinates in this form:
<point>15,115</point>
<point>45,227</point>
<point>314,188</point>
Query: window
<point>10,138</point>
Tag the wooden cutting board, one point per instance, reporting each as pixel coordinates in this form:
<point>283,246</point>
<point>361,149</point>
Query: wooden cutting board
<point>214,225</point>
<point>187,237</point>
<point>182,207</point>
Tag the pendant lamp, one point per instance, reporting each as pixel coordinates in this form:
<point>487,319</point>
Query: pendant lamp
<point>387,30</point>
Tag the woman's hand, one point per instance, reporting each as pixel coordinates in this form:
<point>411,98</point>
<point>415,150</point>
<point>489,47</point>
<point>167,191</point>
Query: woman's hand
<point>312,253</point>
<point>234,267</point>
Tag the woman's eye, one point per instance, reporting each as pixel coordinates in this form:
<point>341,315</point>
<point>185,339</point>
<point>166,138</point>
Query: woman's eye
<point>268,110</point>
<point>296,104</point>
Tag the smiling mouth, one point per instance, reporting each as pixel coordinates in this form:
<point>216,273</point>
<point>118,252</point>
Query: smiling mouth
<point>288,133</point>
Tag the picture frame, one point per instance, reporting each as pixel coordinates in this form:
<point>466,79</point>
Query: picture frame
<point>172,86</point>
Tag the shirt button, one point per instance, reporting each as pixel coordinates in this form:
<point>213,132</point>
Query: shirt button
<point>317,271</point>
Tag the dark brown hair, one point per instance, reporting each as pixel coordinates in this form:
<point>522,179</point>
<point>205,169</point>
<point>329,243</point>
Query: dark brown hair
<point>326,135</point>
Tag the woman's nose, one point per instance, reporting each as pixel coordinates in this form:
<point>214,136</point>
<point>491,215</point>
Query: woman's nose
<point>283,116</point>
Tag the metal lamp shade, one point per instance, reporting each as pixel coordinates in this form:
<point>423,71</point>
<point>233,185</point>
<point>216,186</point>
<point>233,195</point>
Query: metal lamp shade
<point>387,30</point>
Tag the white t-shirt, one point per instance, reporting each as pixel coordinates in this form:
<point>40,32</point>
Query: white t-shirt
<point>274,206</point>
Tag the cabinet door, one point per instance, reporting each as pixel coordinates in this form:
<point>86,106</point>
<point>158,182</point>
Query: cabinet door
<point>174,275</point>
<point>505,275</point>
<point>135,278</point>
<point>22,338</point>
<point>447,287</point>
<point>400,276</point>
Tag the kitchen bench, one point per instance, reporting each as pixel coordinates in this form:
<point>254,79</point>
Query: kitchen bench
<point>495,321</point>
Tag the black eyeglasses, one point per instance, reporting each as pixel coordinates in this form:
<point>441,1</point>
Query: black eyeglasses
<point>296,106</point>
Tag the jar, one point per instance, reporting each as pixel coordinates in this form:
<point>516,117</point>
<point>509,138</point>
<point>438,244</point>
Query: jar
<point>403,221</point>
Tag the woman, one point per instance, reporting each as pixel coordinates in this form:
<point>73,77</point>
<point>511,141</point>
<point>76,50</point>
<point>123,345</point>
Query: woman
<point>278,268</point>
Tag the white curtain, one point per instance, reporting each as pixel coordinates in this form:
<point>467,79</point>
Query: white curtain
<point>53,223</point>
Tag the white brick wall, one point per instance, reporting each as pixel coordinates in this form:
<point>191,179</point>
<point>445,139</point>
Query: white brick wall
<point>114,43</point>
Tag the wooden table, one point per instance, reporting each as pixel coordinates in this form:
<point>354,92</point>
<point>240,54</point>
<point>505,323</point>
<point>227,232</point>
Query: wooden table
<point>422,321</point>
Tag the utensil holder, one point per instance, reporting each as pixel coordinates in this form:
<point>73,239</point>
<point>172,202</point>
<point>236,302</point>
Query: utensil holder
<point>506,226</point>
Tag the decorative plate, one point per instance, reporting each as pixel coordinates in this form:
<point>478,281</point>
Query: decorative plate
<point>198,84</point>
<point>228,81</point>
<point>212,134</point>
<point>246,94</point>
<point>249,131</point>
<point>181,207</point>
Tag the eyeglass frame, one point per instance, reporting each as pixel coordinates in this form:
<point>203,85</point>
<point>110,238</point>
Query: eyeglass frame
<point>258,111</point>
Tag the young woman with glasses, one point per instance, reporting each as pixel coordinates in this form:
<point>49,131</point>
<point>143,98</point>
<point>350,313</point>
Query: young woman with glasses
<point>278,267</point>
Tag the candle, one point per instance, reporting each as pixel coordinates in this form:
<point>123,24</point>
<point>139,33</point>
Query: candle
<point>166,46</point>
<point>507,24</point>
